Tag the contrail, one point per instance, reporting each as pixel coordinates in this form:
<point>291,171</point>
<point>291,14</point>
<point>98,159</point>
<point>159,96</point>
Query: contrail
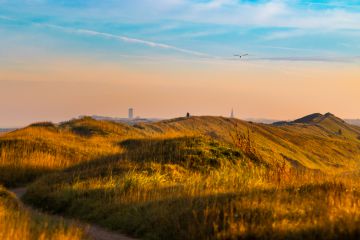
<point>308,59</point>
<point>127,39</point>
<point>6,18</point>
<point>152,44</point>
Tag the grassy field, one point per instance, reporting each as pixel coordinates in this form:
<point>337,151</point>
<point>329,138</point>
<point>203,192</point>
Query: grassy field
<point>18,223</point>
<point>194,178</point>
<point>44,148</point>
<point>217,196</point>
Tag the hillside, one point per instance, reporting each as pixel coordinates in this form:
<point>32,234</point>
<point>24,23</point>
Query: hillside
<point>17,222</point>
<point>193,178</point>
<point>3,131</point>
<point>322,142</point>
<point>334,143</point>
<point>328,123</point>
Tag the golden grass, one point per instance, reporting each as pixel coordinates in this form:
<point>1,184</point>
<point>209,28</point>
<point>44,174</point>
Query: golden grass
<point>45,148</point>
<point>156,199</point>
<point>34,151</point>
<point>191,179</point>
<point>18,223</point>
<point>168,202</point>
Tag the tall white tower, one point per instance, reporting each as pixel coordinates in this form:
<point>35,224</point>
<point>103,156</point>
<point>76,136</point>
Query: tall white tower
<point>131,113</point>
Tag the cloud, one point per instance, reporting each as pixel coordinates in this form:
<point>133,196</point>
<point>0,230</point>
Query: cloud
<point>271,13</point>
<point>309,59</point>
<point>331,4</point>
<point>214,4</point>
<point>294,49</point>
<point>126,39</point>
<point>6,18</point>
<point>205,56</point>
<point>276,35</point>
<point>265,13</point>
<point>199,24</point>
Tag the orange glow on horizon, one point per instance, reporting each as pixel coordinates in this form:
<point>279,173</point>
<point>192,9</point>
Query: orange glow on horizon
<point>282,90</point>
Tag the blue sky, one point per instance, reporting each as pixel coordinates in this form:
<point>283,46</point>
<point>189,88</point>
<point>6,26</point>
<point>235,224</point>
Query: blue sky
<point>214,29</point>
<point>64,58</point>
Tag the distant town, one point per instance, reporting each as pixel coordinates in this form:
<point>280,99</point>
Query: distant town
<point>132,119</point>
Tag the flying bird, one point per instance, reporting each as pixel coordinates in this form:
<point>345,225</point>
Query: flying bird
<point>241,55</point>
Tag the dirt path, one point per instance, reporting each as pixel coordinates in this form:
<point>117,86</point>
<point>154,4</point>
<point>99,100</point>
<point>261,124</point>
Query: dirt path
<point>19,192</point>
<point>95,232</point>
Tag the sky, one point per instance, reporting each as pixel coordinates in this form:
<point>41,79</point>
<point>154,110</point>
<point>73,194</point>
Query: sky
<point>63,58</point>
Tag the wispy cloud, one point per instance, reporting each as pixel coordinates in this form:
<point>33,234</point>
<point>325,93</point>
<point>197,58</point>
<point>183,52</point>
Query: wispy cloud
<point>332,14</point>
<point>331,4</point>
<point>202,55</point>
<point>126,39</point>
<point>276,35</point>
<point>309,59</point>
<point>205,30</point>
<point>271,13</point>
<point>292,49</point>
<point>6,18</point>
<point>215,4</point>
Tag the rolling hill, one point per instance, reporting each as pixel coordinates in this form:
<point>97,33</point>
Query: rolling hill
<point>194,178</point>
<point>315,141</point>
<point>322,142</point>
<point>18,222</point>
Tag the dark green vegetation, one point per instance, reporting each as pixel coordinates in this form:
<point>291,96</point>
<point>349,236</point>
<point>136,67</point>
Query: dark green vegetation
<point>194,178</point>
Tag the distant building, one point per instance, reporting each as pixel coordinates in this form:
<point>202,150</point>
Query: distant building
<point>187,115</point>
<point>232,113</point>
<point>131,113</point>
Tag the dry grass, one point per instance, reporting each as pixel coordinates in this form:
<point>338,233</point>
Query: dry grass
<point>35,151</point>
<point>197,178</point>
<point>45,148</point>
<point>157,199</point>
<point>18,223</point>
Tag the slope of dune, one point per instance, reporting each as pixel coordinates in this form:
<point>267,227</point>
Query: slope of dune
<point>213,178</point>
<point>322,142</point>
<point>318,142</point>
<point>194,178</point>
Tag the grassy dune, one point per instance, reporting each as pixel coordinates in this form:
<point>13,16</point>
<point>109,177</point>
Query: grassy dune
<point>232,198</point>
<point>194,178</point>
<point>43,148</point>
<point>18,223</point>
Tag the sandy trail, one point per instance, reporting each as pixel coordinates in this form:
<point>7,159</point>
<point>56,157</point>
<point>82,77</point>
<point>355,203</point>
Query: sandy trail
<point>95,232</point>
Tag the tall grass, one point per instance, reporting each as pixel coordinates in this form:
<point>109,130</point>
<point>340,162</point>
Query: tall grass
<point>190,178</point>
<point>154,193</point>
<point>18,223</point>
<point>35,151</point>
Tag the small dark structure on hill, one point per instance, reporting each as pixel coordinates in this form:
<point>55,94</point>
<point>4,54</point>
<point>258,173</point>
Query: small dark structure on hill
<point>187,115</point>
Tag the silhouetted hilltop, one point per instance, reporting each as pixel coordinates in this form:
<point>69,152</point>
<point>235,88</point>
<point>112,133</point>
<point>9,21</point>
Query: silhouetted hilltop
<point>312,118</point>
<point>328,123</point>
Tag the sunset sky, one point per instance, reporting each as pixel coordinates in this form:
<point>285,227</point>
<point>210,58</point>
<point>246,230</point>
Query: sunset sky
<point>64,58</point>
